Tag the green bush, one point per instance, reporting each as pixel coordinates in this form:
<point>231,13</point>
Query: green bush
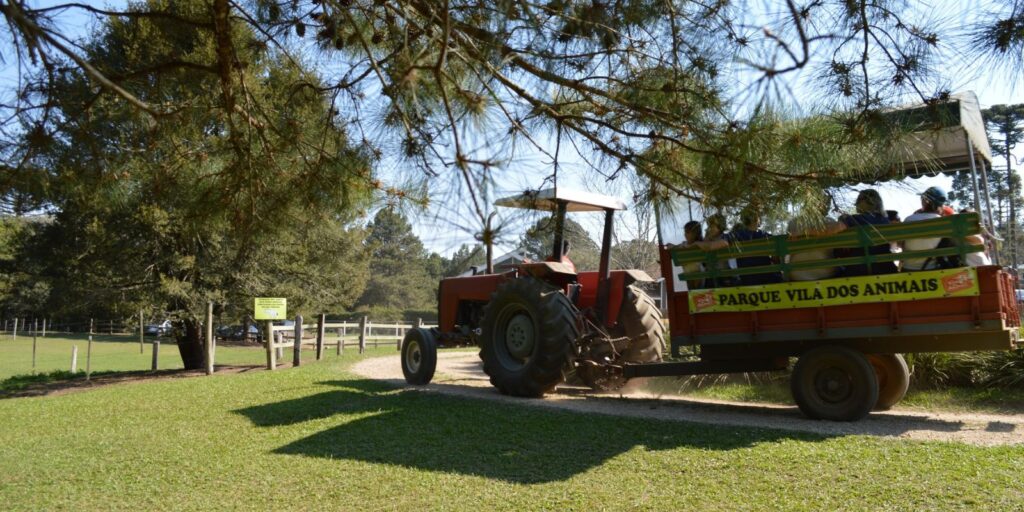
<point>968,369</point>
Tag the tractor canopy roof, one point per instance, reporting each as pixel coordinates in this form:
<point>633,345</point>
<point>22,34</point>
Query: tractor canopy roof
<point>941,138</point>
<point>548,200</point>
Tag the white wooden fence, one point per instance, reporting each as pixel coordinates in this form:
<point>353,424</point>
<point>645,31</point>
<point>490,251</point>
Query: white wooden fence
<point>323,334</point>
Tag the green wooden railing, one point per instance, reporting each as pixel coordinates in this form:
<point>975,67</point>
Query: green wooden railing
<point>954,227</point>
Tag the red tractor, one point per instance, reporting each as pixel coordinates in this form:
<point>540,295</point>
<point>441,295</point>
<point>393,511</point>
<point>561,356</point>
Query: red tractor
<point>543,322</point>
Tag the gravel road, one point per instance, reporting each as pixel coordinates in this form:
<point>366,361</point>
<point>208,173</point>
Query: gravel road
<point>460,374</point>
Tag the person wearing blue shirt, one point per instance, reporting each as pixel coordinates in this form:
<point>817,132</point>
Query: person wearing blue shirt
<point>870,212</point>
<point>748,230</point>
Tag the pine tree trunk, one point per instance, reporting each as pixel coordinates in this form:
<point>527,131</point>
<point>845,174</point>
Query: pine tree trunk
<point>190,345</point>
<point>1013,213</point>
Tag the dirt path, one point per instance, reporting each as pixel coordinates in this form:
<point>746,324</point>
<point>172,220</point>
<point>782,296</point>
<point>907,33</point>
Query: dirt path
<point>459,373</point>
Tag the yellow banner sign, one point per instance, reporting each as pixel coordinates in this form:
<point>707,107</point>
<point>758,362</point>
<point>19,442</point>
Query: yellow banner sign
<point>932,284</point>
<point>267,308</point>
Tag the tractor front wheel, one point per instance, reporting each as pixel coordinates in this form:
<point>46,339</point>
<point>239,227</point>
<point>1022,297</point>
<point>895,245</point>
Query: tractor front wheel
<point>527,337</point>
<point>419,356</point>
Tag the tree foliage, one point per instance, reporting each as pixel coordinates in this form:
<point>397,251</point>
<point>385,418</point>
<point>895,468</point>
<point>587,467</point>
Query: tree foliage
<point>239,188</point>
<point>457,90</point>
<point>402,274</point>
<point>538,241</point>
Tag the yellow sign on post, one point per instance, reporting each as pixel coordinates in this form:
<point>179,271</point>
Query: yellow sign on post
<point>934,284</point>
<point>267,308</point>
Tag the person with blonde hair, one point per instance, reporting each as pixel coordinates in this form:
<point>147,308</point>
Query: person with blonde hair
<point>870,212</point>
<point>815,218</point>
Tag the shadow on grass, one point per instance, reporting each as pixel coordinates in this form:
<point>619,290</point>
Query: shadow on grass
<point>510,443</point>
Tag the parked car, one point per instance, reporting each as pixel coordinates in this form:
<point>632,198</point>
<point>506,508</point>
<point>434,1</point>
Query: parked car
<point>237,333</point>
<point>160,329</point>
<point>224,332</point>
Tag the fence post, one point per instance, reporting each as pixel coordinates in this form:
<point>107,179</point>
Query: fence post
<point>362,334</point>
<point>209,338</point>
<point>90,325</point>
<point>419,322</point>
<point>341,338</point>
<point>88,359</point>
<point>156,353</point>
<point>14,336</point>
<point>279,345</point>
<point>35,327</point>
<point>74,358</point>
<point>110,327</point>
<point>297,345</point>
<point>44,327</point>
<point>141,328</point>
<point>268,339</point>
<point>320,320</point>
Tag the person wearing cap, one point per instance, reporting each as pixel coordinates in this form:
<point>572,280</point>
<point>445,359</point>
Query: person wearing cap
<point>932,202</point>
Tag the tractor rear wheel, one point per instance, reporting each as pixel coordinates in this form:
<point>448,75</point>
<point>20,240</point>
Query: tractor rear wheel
<point>893,379</point>
<point>419,356</point>
<point>640,321</point>
<point>527,337</point>
<point>834,383</point>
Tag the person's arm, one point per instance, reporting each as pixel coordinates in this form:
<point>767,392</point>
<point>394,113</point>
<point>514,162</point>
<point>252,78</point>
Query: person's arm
<point>711,245</point>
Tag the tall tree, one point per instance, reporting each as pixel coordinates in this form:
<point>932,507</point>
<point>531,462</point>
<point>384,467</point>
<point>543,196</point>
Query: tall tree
<point>400,274</point>
<point>1005,125</point>
<point>232,184</point>
<point>538,241</point>
<point>463,258</point>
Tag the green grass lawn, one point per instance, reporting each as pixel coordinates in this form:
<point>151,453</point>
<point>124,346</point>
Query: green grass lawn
<point>777,392</point>
<point>318,437</point>
<point>109,353</point>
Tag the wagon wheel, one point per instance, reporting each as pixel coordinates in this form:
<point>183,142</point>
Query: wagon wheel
<point>893,379</point>
<point>834,383</point>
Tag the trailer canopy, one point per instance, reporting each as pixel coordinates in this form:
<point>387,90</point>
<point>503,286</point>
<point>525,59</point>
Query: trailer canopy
<point>943,138</point>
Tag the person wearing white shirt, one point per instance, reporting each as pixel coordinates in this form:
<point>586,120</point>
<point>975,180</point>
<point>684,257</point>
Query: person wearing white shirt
<point>931,201</point>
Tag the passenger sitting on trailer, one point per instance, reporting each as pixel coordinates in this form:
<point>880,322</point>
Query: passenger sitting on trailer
<point>931,201</point>
<point>748,230</point>
<point>693,234</point>
<point>805,225</point>
<point>980,258</point>
<point>716,233</point>
<point>870,211</point>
